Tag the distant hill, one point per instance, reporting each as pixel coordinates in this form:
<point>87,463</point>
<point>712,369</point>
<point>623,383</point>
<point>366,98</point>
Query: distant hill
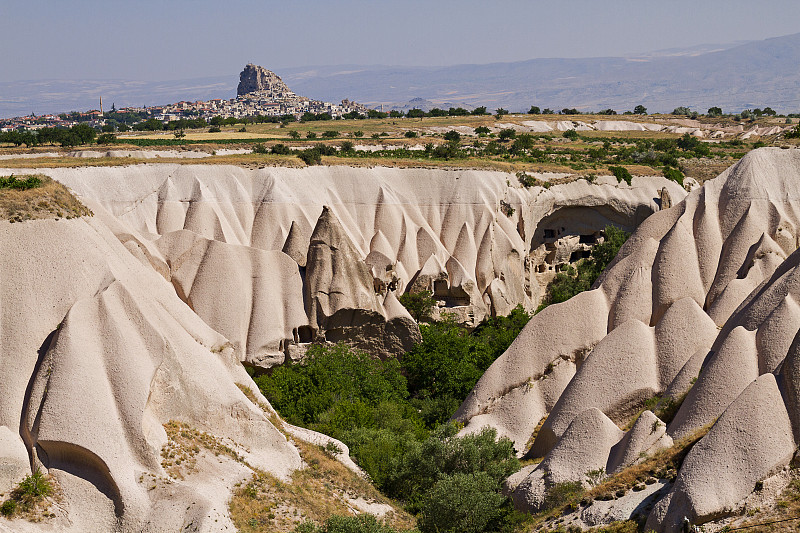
<point>753,74</point>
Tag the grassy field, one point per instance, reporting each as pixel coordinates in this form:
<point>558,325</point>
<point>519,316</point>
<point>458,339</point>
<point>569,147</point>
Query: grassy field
<point>589,153</point>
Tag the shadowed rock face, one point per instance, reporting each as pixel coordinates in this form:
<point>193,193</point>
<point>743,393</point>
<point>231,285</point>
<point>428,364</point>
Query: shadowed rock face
<point>701,299</point>
<point>255,78</point>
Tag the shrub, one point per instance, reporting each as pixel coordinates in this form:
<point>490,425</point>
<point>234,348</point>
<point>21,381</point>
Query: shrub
<point>106,138</point>
<point>34,486</point>
<point>534,110</point>
<point>214,129</point>
<point>499,112</point>
<point>793,133</point>
<point>347,147</point>
<point>507,209</point>
<point>622,174</point>
<point>330,134</point>
<point>8,508</point>
<point>506,134</point>
<point>410,134</point>
<point>358,133</point>
<point>281,149</point>
<point>259,148</point>
<point>22,183</point>
<point>443,454</point>
<point>310,156</point>
<point>311,135</point>
<point>419,304</point>
<point>572,135</point>
<point>482,130</point>
<point>364,523</point>
<point>561,494</point>
<point>673,174</point>
<point>294,134</point>
<point>462,503</point>
<point>452,135</point>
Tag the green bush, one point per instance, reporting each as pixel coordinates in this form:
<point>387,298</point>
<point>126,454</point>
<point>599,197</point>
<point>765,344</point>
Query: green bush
<point>333,387</point>
<point>280,149</point>
<point>572,135</point>
<point>8,508</point>
<point>364,523</point>
<point>622,174</point>
<point>330,134</point>
<point>506,134</point>
<point>310,156</point>
<point>673,174</point>
<point>21,184</point>
<point>34,486</point>
<point>259,148</point>
<point>463,503</point>
<point>419,304</point>
<point>482,130</point>
<point>214,129</point>
<point>452,135</point>
<point>347,147</point>
<point>561,494</point>
<point>410,134</point>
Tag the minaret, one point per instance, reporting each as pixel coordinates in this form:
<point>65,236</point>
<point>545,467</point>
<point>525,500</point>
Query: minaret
<point>101,107</point>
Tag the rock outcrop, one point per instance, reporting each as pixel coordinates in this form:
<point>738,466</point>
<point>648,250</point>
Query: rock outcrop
<point>255,78</point>
<point>138,319</point>
<point>707,286</point>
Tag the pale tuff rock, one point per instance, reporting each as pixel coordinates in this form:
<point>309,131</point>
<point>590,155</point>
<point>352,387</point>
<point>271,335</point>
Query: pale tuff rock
<point>143,313</point>
<point>706,286</point>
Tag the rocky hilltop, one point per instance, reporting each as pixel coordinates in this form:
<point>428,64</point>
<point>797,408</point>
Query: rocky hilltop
<point>255,78</point>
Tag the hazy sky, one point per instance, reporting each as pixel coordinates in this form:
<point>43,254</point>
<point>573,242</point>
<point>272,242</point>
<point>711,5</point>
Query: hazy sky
<point>174,39</point>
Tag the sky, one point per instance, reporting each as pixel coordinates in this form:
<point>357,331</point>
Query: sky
<point>177,39</point>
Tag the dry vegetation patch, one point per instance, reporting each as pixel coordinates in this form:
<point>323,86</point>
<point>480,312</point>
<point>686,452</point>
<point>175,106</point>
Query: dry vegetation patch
<point>44,199</point>
<point>179,455</point>
<point>322,489</point>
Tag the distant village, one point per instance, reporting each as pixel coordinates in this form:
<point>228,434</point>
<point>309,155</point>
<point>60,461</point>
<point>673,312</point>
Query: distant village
<point>261,93</point>
<point>250,105</point>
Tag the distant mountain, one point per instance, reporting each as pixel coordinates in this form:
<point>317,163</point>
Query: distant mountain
<point>734,77</point>
<point>753,74</point>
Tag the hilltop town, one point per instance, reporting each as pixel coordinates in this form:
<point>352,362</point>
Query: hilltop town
<point>261,93</point>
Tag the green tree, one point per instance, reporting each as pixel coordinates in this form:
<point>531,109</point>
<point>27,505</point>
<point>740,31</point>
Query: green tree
<point>419,304</point>
<point>621,173</point>
<point>534,110</point>
<point>506,134</point>
<point>499,112</point>
<point>482,130</point>
<point>415,113</point>
<point>572,135</point>
<point>480,111</point>
<point>453,136</point>
<point>714,111</point>
<point>463,503</point>
<point>640,110</point>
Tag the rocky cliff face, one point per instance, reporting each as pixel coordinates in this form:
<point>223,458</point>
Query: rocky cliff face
<point>700,303</point>
<point>255,78</point>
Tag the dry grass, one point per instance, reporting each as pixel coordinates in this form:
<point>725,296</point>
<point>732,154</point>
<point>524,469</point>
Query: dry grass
<point>663,464</point>
<point>323,489</point>
<point>179,455</point>
<point>50,200</point>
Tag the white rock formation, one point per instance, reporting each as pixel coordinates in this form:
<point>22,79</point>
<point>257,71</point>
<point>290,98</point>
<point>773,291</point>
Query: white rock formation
<point>707,286</point>
<point>115,325</point>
